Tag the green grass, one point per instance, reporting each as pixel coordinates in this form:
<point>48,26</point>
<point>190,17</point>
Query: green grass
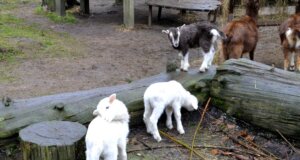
<point>12,4</point>
<point>69,18</point>
<point>21,40</point>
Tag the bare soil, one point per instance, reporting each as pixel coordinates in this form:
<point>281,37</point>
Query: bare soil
<point>112,54</point>
<point>109,53</point>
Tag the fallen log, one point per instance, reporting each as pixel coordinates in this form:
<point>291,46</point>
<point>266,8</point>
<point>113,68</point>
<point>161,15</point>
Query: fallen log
<point>259,94</point>
<point>78,106</point>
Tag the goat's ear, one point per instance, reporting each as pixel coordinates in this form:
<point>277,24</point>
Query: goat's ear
<point>112,98</point>
<point>181,26</point>
<point>95,112</point>
<point>165,31</point>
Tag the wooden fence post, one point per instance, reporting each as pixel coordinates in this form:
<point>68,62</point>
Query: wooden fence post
<point>128,10</point>
<point>60,8</point>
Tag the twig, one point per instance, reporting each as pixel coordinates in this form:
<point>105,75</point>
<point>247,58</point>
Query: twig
<point>293,148</point>
<point>246,146</point>
<point>181,143</point>
<point>145,144</point>
<point>196,146</point>
<point>260,148</point>
<point>198,127</point>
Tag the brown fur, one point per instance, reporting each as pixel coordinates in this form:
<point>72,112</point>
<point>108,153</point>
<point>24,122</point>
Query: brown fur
<point>242,34</point>
<point>292,22</point>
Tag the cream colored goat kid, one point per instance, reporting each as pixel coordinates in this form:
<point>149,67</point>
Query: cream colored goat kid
<point>107,133</point>
<point>169,96</point>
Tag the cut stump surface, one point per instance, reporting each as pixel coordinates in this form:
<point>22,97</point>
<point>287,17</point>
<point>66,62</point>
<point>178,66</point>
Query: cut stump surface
<point>53,140</point>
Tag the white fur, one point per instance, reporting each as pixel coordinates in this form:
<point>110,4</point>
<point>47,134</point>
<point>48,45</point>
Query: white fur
<point>209,56</point>
<point>289,37</point>
<point>107,133</point>
<point>171,97</point>
<point>207,59</point>
<point>175,42</point>
<point>186,64</point>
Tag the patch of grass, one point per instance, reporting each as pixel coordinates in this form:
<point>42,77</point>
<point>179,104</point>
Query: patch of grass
<point>17,36</point>
<point>69,18</point>
<point>12,4</point>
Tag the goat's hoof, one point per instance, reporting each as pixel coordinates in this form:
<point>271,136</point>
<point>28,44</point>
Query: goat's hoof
<point>181,131</point>
<point>157,138</point>
<point>202,70</point>
<point>292,68</point>
<point>170,127</point>
<point>183,70</point>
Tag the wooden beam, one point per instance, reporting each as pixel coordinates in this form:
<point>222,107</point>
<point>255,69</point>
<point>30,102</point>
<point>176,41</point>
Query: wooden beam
<point>60,8</point>
<point>231,10</point>
<point>128,10</point>
<point>150,16</point>
<point>159,13</point>
<point>85,6</point>
<point>298,7</point>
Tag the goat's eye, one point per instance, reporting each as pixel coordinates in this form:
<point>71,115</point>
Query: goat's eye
<point>106,107</point>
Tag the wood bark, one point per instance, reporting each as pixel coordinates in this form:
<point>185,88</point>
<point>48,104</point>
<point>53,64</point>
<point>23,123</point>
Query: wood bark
<point>53,140</point>
<point>259,94</point>
<point>78,106</point>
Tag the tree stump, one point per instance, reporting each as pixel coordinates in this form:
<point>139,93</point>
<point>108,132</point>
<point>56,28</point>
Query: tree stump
<point>53,140</point>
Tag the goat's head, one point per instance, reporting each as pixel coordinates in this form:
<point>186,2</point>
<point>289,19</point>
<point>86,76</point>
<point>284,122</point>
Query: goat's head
<point>191,102</point>
<point>293,36</point>
<point>252,7</point>
<point>174,35</point>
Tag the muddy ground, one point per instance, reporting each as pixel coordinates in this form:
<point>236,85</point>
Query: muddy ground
<point>108,54</point>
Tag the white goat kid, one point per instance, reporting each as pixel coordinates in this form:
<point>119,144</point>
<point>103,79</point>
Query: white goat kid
<point>169,96</point>
<point>107,133</point>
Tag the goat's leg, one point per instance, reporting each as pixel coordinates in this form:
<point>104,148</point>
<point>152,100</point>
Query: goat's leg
<point>211,55</point>
<point>286,58</point>
<point>147,114</point>
<point>237,52</point>
<point>169,112</point>
<point>111,153</point>
<point>122,149</point>
<point>224,54</point>
<point>186,64</point>
<point>177,115</point>
<point>204,64</point>
<point>251,53</point>
<point>292,62</point>
<point>298,61</point>
<point>181,60</point>
<point>156,113</point>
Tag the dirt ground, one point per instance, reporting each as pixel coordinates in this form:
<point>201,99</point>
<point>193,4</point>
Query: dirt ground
<point>111,54</point>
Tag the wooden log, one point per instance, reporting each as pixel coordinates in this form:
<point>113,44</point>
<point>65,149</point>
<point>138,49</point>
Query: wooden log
<point>78,106</point>
<point>53,140</point>
<point>259,94</point>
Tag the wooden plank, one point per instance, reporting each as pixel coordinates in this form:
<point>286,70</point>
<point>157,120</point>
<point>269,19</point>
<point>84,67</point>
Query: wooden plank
<point>199,5</point>
<point>128,10</point>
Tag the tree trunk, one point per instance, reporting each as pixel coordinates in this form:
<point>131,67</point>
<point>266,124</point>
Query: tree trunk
<point>78,106</point>
<point>259,94</point>
<point>53,140</point>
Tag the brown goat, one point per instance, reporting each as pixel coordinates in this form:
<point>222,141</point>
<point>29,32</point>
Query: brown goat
<point>289,32</point>
<point>242,34</point>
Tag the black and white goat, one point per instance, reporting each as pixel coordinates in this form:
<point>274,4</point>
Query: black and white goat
<point>201,34</point>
